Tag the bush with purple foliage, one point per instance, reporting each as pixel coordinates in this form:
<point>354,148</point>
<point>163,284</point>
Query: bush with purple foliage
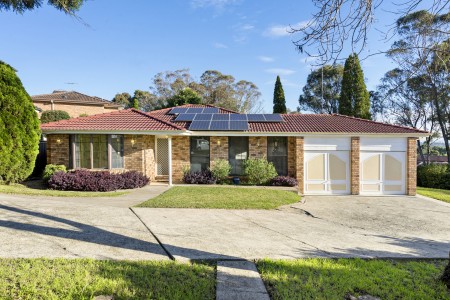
<point>283,181</point>
<point>199,177</point>
<point>96,181</point>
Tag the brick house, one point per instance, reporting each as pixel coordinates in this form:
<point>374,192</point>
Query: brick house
<point>328,154</point>
<point>74,103</point>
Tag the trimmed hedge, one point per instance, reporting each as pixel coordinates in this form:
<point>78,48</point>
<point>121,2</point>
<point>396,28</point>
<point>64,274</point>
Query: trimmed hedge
<point>96,181</point>
<point>53,116</point>
<point>199,177</point>
<point>283,181</point>
<point>434,176</point>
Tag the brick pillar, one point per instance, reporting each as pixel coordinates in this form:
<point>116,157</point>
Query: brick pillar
<point>354,166</point>
<point>180,157</point>
<point>58,149</point>
<point>218,148</point>
<point>257,146</point>
<point>411,166</point>
<point>299,163</point>
<point>291,156</point>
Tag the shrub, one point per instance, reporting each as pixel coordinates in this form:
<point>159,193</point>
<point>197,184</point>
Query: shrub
<point>53,116</point>
<point>96,181</point>
<point>259,171</point>
<point>434,176</point>
<point>19,128</point>
<point>283,181</point>
<point>220,169</point>
<point>52,169</point>
<point>199,177</point>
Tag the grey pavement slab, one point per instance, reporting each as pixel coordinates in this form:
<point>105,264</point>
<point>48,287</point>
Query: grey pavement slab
<point>322,227</point>
<point>239,280</point>
<point>53,227</point>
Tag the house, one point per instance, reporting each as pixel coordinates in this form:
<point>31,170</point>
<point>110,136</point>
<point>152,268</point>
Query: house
<point>328,154</point>
<point>433,159</point>
<point>74,103</point>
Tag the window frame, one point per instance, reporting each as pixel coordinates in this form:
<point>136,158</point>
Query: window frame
<point>190,150</point>
<point>229,154</point>
<point>286,157</point>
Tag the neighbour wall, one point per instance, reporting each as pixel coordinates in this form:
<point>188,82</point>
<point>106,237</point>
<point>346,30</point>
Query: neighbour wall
<point>180,157</point>
<point>411,166</point>
<point>58,149</point>
<point>139,154</point>
<point>75,110</point>
<point>257,146</point>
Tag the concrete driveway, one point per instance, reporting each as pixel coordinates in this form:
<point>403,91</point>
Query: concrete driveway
<point>323,226</point>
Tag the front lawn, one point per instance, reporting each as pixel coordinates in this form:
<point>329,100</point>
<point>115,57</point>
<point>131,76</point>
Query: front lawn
<point>37,188</point>
<point>336,278</point>
<point>222,197</point>
<point>443,195</point>
<point>86,278</point>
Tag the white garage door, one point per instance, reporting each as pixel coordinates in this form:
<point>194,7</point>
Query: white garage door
<point>383,166</point>
<point>327,166</point>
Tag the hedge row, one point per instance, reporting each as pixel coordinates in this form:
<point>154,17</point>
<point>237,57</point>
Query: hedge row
<point>434,176</point>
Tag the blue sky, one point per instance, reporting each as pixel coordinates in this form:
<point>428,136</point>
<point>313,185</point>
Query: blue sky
<point>128,42</point>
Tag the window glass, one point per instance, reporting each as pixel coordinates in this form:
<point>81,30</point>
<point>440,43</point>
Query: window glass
<point>83,151</point>
<point>199,153</point>
<point>277,153</point>
<point>100,151</point>
<point>237,153</point>
<point>116,151</point>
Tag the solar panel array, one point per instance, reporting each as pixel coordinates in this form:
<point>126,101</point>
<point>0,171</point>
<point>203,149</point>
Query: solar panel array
<point>209,119</point>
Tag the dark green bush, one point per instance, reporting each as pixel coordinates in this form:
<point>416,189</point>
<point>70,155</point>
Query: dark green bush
<point>53,116</point>
<point>19,128</point>
<point>221,169</point>
<point>259,171</point>
<point>52,169</point>
<point>434,176</point>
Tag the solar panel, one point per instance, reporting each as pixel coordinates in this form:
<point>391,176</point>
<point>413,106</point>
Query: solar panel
<point>210,110</point>
<point>255,118</point>
<point>184,117</point>
<point>238,125</point>
<point>199,125</point>
<point>273,118</point>
<point>178,110</point>
<point>219,125</point>
<point>195,110</point>
<point>204,117</point>
<point>221,117</point>
<point>238,117</point>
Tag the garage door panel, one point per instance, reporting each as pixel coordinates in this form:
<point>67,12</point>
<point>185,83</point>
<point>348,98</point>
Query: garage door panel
<point>337,168</point>
<point>316,167</point>
<point>393,168</point>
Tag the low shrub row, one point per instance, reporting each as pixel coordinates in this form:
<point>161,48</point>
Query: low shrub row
<point>96,181</point>
<point>434,176</point>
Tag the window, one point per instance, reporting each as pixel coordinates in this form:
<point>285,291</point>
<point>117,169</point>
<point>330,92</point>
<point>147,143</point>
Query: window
<point>277,153</point>
<point>237,153</point>
<point>199,153</point>
<point>95,151</point>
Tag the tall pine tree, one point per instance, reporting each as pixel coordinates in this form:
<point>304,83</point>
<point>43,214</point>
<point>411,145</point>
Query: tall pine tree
<point>279,102</point>
<point>354,100</point>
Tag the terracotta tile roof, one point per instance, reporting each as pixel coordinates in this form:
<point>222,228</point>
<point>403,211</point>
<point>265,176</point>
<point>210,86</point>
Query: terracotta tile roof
<point>72,97</point>
<point>120,120</point>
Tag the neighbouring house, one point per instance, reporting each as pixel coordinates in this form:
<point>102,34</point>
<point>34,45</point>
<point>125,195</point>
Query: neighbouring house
<point>74,103</point>
<point>433,159</point>
<point>328,154</point>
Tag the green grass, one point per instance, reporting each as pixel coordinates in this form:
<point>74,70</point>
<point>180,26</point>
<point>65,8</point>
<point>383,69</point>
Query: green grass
<point>36,188</point>
<point>85,279</point>
<point>222,197</point>
<point>334,278</point>
<point>443,195</point>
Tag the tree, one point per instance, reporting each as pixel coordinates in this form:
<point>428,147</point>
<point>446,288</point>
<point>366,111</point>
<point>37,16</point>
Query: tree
<point>337,25</point>
<point>122,99</point>
<point>19,128</point>
<point>322,90</point>
<point>279,102</point>
<point>146,101</point>
<point>354,100</point>
<point>20,6</point>
<point>246,96</point>
<point>185,96</point>
<point>53,116</point>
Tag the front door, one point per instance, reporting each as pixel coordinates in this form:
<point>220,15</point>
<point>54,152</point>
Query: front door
<point>162,156</point>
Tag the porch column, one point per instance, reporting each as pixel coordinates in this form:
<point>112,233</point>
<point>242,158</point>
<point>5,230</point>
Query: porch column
<point>169,142</point>
<point>354,165</point>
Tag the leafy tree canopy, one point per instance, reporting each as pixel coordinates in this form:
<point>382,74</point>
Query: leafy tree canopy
<point>53,116</point>
<point>185,96</point>
<point>20,6</point>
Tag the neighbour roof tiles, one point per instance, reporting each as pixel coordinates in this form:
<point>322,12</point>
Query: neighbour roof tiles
<point>72,96</point>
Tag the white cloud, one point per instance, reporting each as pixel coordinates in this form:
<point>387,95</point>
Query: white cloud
<point>280,71</point>
<point>247,27</point>
<point>220,46</point>
<point>266,58</point>
<point>283,30</point>
<point>217,4</point>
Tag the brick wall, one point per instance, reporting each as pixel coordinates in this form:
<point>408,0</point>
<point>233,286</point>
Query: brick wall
<point>218,148</point>
<point>411,167</point>
<point>75,110</point>
<point>354,165</point>
<point>180,157</point>
<point>139,154</point>
<point>291,156</point>
<point>58,149</point>
<point>257,146</point>
<point>299,164</point>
